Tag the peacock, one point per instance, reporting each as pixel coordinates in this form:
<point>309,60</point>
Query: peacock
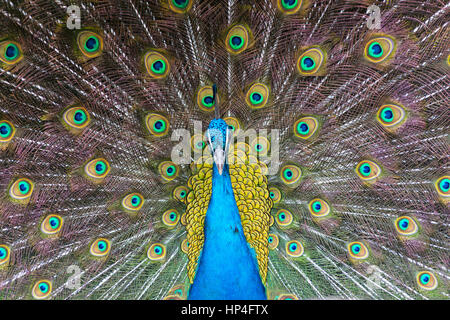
<point>224,149</point>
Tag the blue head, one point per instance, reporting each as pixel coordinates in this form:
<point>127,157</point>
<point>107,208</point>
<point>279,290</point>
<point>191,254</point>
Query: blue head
<point>218,135</point>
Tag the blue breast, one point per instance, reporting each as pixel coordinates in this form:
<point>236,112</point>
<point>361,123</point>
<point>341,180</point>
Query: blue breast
<point>227,268</point>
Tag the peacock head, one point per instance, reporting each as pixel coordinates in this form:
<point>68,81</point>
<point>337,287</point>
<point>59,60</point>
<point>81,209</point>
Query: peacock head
<point>218,135</point>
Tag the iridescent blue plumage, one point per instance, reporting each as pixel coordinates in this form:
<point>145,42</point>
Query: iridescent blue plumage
<point>227,266</point>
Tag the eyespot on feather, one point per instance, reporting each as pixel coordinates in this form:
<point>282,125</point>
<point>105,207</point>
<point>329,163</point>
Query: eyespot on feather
<point>185,246</point>
<point>41,289</point>
<point>10,52</point>
<point>319,208</point>
<point>90,44</point>
<point>391,116</point>
<point>205,98</point>
<point>311,62</point>
<point>238,39</point>
<point>426,280</point>
<point>168,170</point>
<point>442,186</point>
<point>180,6</point>
<point>156,64</point>
<point>368,171</point>
<point>198,143</point>
<point>257,96</point>
<point>380,49</point>
<point>306,127</point>
<point>76,118</point>
<point>289,7</point>
<point>357,250</point>
<point>294,249</point>
<point>52,224</point>
<point>180,193</point>
<point>156,252</point>
<point>406,226</point>
<point>273,241</point>
<point>157,125</point>
<point>284,218</point>
<point>233,124</point>
<point>100,247</point>
<point>291,175</point>
<point>21,189</point>
<point>170,218</point>
<point>5,254</point>
<point>97,169</point>
<point>7,131</point>
<point>286,296</point>
<point>275,194</point>
<point>260,146</point>
<point>133,202</point>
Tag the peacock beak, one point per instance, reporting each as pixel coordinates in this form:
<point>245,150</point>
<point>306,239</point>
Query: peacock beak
<point>219,159</point>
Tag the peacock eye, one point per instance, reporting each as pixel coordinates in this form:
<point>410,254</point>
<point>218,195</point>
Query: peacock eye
<point>233,124</point>
<point>97,169</point>
<point>286,297</point>
<point>368,170</point>
<point>185,246</point>
<point>294,248</point>
<point>310,62</point>
<point>41,289</point>
<point>257,96</point>
<point>391,116</point>
<point>205,98</point>
<point>289,6</point>
<point>283,218</point>
<point>157,124</point>
<point>427,280</point>
<point>168,170</point>
<point>237,39</point>
<point>273,241</point>
<point>306,127</point>
<point>10,52</point>
<point>156,252</point>
<point>180,193</point>
<point>180,6</point>
<point>260,146</point>
<point>198,143</point>
<point>170,218</point>
<point>319,208</point>
<point>275,194</point>
<point>133,202</point>
<point>7,131</point>
<point>21,189</point>
<point>443,186</point>
<point>406,226</point>
<point>291,175</point>
<point>357,250</point>
<point>157,65</point>
<point>90,44</point>
<point>379,49</point>
<point>100,247</point>
<point>52,224</point>
<point>4,254</point>
<point>76,119</point>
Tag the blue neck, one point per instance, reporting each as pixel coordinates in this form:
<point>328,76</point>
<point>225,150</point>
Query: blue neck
<point>227,268</point>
